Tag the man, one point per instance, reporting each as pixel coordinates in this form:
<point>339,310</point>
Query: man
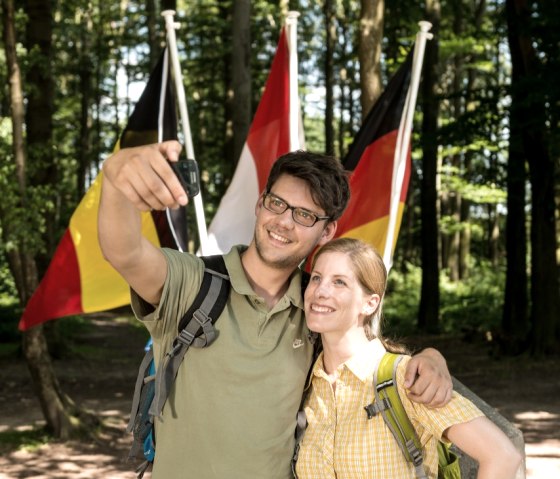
<point>232,409</point>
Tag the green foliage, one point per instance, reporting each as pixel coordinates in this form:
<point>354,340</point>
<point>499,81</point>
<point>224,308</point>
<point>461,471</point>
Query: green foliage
<point>452,180</point>
<point>474,304</point>
<point>471,305</point>
<point>22,220</point>
<point>400,306</point>
<point>28,440</point>
<point>10,312</point>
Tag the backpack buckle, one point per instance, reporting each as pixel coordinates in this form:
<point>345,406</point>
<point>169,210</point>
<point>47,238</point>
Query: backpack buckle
<point>201,317</point>
<point>184,337</point>
<point>208,332</point>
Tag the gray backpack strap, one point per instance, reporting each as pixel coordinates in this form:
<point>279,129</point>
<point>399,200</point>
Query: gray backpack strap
<point>140,380</point>
<point>196,327</point>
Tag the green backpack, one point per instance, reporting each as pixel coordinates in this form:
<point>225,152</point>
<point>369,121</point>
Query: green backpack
<point>388,402</point>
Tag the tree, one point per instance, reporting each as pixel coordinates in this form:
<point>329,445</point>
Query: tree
<point>330,30</point>
<point>530,122</point>
<point>240,90</point>
<point>428,315</point>
<point>62,417</point>
<point>515,324</point>
<point>369,52</point>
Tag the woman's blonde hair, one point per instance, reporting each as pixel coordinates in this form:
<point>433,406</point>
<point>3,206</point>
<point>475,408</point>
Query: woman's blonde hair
<point>369,269</point>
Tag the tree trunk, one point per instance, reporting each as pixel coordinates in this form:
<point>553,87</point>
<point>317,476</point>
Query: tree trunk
<point>454,239</point>
<point>345,96</point>
<point>152,21</point>
<point>529,106</point>
<point>330,24</point>
<point>457,161</point>
<point>408,250</point>
<point>428,315</point>
<point>85,75</point>
<point>39,111</point>
<point>465,232</point>
<point>60,415</point>
<point>168,5</point>
<point>369,52</point>
<point>240,93</point>
<point>64,420</point>
<point>493,234</point>
<point>515,322</point>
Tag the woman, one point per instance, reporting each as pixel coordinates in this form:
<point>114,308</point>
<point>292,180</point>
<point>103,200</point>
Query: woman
<point>343,303</point>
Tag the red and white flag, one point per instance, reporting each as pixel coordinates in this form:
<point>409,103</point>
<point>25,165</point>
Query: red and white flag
<point>269,138</point>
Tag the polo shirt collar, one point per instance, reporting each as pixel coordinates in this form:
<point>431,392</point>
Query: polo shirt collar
<point>241,285</point>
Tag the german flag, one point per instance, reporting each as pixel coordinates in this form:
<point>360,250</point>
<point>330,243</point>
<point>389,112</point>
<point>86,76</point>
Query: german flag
<point>371,159</point>
<point>78,279</point>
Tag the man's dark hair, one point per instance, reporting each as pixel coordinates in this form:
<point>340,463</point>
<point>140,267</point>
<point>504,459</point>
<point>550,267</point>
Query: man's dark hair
<point>325,175</point>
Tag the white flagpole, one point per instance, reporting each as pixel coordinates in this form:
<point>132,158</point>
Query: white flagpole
<point>163,94</point>
<point>403,138</point>
<point>161,115</point>
<point>291,29</point>
<point>171,26</point>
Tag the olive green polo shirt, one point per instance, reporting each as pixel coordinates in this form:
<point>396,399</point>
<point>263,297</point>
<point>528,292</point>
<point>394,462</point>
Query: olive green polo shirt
<point>232,411</point>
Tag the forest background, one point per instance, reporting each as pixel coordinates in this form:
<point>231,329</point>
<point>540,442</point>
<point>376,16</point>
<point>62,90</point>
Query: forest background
<point>478,250</point>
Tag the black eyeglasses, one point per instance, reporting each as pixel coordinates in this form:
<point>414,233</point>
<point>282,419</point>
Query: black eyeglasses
<point>300,215</point>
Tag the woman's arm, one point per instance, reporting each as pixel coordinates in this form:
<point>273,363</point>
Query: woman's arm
<point>482,440</point>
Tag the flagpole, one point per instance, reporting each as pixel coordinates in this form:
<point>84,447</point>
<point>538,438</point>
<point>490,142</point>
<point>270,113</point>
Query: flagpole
<point>161,119</point>
<point>163,94</point>
<point>171,26</point>
<point>291,27</point>
<point>403,137</point>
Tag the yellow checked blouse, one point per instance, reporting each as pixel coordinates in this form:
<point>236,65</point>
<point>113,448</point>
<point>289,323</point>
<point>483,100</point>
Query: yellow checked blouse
<point>340,442</point>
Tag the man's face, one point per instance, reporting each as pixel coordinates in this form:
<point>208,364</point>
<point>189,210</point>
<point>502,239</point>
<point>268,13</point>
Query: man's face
<point>281,242</point>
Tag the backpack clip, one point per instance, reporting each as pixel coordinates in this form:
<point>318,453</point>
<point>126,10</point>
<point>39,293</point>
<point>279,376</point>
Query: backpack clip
<point>376,407</point>
<point>208,331</point>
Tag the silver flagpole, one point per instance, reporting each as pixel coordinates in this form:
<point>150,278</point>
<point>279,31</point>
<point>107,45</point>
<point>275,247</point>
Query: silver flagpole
<point>171,26</point>
<point>291,28</point>
<point>403,138</point>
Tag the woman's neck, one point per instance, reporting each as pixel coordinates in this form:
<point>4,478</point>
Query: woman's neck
<point>339,349</point>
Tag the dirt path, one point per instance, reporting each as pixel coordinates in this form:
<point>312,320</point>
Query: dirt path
<point>525,392</point>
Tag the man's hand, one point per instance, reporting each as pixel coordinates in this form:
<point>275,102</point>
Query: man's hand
<point>428,380</point>
<point>144,177</point>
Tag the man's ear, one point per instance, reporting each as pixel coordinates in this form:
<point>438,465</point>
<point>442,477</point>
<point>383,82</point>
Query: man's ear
<point>259,204</point>
<point>328,233</point>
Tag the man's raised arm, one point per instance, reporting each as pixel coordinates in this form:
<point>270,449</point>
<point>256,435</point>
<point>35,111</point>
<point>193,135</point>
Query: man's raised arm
<point>134,180</point>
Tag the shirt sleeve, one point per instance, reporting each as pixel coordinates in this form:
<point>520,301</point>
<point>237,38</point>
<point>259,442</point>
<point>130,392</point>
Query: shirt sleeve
<point>432,422</point>
<point>182,282</point>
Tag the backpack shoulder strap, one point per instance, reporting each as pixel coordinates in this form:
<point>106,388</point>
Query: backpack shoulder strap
<point>196,327</point>
<point>388,402</point>
<point>211,298</point>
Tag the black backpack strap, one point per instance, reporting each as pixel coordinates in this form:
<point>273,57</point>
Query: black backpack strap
<point>196,327</point>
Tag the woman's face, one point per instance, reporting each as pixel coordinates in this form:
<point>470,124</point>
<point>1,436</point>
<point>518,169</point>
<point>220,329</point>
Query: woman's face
<point>335,301</point>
